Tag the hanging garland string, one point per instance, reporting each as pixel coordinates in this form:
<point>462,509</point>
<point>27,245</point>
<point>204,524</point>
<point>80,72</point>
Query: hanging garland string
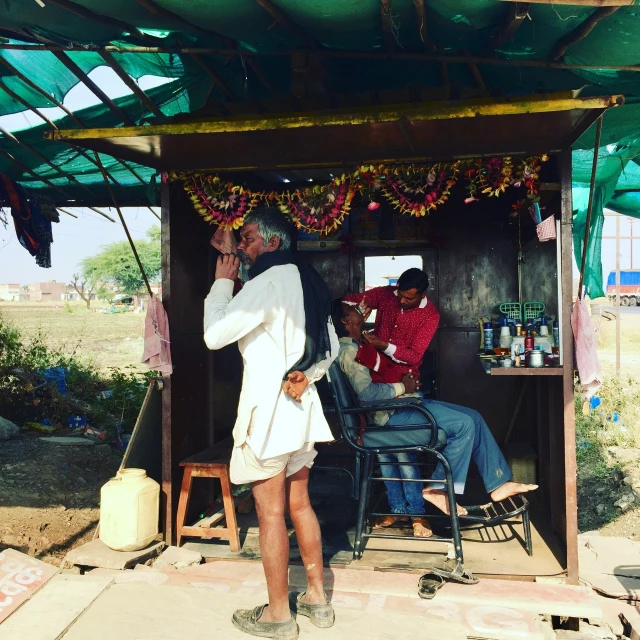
<point>415,190</point>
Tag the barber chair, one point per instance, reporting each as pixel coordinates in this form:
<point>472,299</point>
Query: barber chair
<point>368,440</point>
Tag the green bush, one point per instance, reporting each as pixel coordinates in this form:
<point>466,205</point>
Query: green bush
<point>25,396</point>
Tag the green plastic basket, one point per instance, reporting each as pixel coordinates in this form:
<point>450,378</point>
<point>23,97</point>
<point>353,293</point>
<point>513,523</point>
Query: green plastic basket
<point>532,310</point>
<point>512,310</point>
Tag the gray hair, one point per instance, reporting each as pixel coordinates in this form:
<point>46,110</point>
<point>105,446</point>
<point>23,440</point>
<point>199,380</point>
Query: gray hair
<point>271,223</point>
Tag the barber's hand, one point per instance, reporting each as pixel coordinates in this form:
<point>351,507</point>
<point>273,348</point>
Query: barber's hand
<point>371,338</point>
<point>410,382</point>
<point>227,267</point>
<point>366,309</point>
<point>295,385</point>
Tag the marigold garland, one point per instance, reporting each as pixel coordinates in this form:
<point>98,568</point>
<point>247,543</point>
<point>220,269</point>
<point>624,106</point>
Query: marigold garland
<point>415,190</point>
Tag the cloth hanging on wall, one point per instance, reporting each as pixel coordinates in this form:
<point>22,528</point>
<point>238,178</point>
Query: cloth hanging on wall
<point>33,228</point>
<point>157,349</point>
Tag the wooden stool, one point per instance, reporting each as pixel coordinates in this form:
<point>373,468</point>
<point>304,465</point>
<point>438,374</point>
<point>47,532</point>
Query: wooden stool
<point>211,463</point>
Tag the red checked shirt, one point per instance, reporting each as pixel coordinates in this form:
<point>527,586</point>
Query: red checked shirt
<point>408,333</point>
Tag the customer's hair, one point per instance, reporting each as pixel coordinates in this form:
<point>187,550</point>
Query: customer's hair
<point>413,279</point>
<point>336,317</point>
<point>271,223</point>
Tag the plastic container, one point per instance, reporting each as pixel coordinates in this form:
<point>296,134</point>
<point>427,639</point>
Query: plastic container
<point>129,510</point>
<point>488,336</point>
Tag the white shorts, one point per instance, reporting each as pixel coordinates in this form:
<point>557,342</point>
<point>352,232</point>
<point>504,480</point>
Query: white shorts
<point>245,468</point>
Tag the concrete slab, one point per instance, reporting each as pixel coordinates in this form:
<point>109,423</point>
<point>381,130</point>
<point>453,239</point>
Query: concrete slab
<point>180,558</point>
<point>611,565</point>
<point>53,609</point>
<point>143,612</point>
<point>97,554</point>
<point>550,599</point>
<point>69,441</point>
<point>20,577</point>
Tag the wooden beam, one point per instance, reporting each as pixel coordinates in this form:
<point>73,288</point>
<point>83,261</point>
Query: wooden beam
<point>584,3</point>
<point>114,23</point>
<point>102,213</point>
<point>478,79</point>
<point>515,16</point>
<point>580,32</point>
<point>93,87</point>
<point>387,25</point>
<point>131,84</point>
<point>289,25</point>
<point>421,19</point>
<point>73,215</point>
<point>338,54</point>
<point>44,159</point>
<point>367,115</point>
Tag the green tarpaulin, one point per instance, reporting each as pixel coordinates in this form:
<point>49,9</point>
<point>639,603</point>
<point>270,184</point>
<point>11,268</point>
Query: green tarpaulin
<point>453,27</point>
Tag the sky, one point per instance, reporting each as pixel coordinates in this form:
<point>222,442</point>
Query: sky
<point>73,239</point>
<point>76,239</point>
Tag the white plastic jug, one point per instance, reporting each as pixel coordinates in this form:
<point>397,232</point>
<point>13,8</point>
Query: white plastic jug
<point>129,510</point>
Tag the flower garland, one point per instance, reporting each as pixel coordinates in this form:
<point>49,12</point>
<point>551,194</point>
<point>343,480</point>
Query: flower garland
<point>319,208</point>
<point>415,190</point>
<point>418,191</point>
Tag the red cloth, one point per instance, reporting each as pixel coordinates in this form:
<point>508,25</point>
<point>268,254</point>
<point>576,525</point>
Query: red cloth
<point>410,331</point>
<point>157,350</point>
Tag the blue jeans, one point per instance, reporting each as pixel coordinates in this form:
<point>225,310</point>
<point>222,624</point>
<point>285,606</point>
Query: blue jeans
<point>403,497</point>
<point>468,437</point>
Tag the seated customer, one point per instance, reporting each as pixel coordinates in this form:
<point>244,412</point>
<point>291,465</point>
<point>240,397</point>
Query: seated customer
<point>468,435</point>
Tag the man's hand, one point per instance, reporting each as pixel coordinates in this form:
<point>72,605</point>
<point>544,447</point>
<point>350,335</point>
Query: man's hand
<point>410,382</point>
<point>364,309</point>
<point>295,385</point>
<point>371,338</point>
<point>227,267</point>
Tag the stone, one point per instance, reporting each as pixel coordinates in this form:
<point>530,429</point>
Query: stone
<point>600,509</point>
<point>628,480</point>
<point>8,429</point>
<point>177,557</point>
<point>97,554</point>
<point>623,504</point>
<point>69,441</point>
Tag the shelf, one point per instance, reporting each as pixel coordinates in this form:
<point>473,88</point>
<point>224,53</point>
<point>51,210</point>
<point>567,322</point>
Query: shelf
<point>527,371</point>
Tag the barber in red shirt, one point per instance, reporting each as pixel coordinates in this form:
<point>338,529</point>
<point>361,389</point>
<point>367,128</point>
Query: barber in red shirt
<point>405,325</point>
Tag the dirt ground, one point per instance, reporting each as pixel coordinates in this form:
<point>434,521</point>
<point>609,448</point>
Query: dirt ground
<point>104,339</point>
<point>49,494</point>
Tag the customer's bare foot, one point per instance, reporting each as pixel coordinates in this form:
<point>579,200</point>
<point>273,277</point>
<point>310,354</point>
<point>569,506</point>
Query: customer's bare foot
<point>421,528</point>
<point>314,597</point>
<point>438,499</point>
<point>388,521</point>
<point>510,489</point>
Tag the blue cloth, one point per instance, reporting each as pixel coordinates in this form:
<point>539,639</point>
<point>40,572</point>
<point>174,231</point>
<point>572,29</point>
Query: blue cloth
<point>403,497</point>
<point>468,437</point>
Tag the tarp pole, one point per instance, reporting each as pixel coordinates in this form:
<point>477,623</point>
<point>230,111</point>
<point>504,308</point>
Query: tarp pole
<point>124,224</point>
<point>618,329</point>
<point>592,186</point>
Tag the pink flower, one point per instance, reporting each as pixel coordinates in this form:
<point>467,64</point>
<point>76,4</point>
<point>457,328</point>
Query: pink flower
<point>372,206</point>
<point>470,200</point>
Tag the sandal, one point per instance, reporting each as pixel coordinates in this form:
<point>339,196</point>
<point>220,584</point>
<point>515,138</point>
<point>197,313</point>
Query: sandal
<point>464,576</point>
<point>428,585</point>
<point>388,521</point>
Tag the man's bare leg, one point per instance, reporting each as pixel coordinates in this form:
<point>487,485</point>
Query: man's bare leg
<point>308,534</point>
<point>510,489</point>
<point>269,496</point>
<point>438,498</point>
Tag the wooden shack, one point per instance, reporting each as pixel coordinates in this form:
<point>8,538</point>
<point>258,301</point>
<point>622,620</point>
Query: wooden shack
<point>477,255</point>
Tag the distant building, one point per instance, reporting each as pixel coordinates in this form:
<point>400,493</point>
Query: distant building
<point>10,292</point>
<point>51,291</point>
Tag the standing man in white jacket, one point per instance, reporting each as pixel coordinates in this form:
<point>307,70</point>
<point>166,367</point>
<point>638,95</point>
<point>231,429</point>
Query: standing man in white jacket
<point>287,343</point>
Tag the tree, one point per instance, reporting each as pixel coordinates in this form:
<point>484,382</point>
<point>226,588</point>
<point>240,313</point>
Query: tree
<point>116,265</point>
<point>84,287</point>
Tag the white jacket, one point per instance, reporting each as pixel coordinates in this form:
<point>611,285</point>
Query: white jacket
<point>267,321</point>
